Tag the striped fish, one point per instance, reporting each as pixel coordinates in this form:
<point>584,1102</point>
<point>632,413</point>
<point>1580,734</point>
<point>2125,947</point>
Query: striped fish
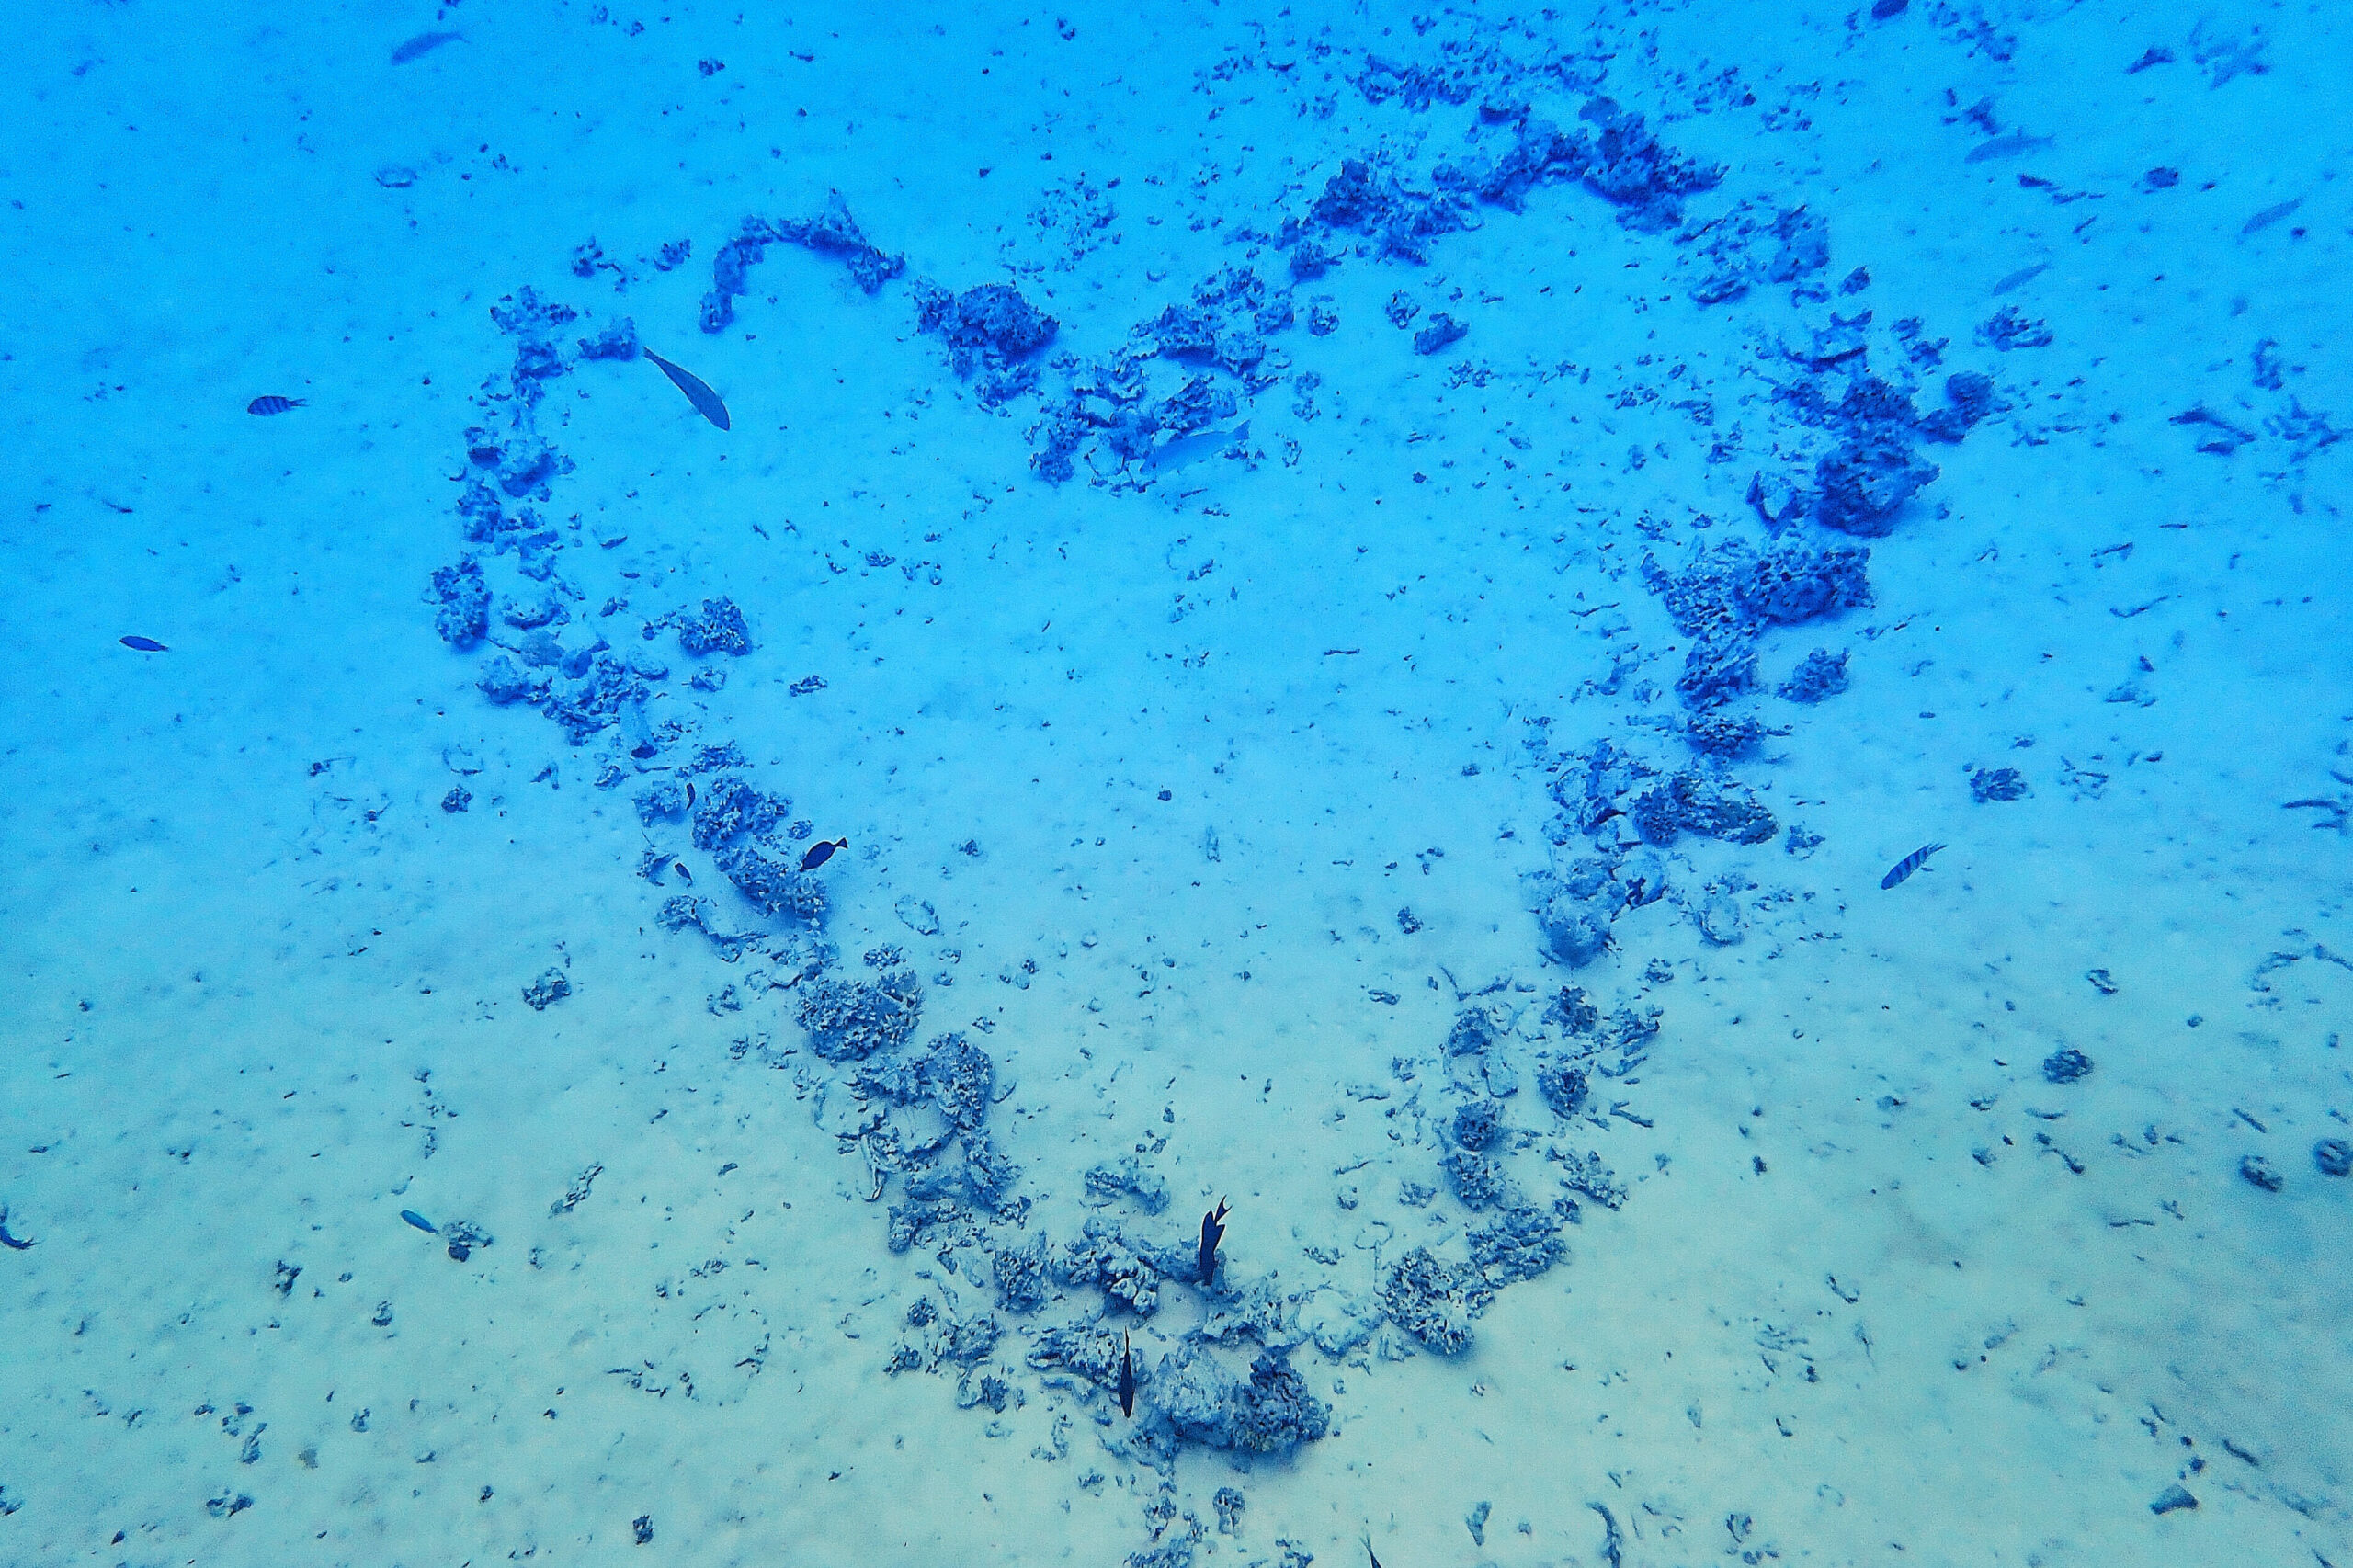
<point>697,391</point>
<point>273,404</point>
<point>1909,864</point>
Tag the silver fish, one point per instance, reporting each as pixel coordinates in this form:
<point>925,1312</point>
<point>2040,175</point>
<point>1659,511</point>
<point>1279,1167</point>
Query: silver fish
<point>1174,454</point>
<point>697,391</point>
<point>2009,146</point>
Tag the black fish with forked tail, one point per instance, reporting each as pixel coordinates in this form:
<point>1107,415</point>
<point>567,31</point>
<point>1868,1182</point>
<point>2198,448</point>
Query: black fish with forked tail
<point>1127,1377</point>
<point>1212,1233</point>
<point>1909,864</point>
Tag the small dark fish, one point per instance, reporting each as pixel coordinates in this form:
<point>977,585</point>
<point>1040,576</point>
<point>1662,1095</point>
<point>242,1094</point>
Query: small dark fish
<point>1212,1233</point>
<point>420,1221</point>
<point>1369,1552</point>
<point>1638,893</point>
<point>697,391</point>
<point>273,404</point>
<point>1127,1377</point>
<point>14,1244</point>
<point>2023,276</point>
<point>2270,216</point>
<point>684,875</point>
<point>690,794</point>
<point>820,852</point>
<point>423,44</point>
<point>1909,864</point>
<point>144,644</point>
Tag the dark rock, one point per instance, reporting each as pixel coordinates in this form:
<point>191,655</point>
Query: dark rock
<point>1562,1087</point>
<point>503,681</point>
<point>989,323</point>
<point>550,988</point>
<point>1023,1281</point>
<point>1440,331</point>
<point>1575,932</point>
<point>1997,784</point>
<point>1821,674</point>
<point>1478,1124</point>
<point>2066,1066</point>
<point>1682,804</point>
<point>1522,1244</point>
<point>1478,1181</point>
<point>848,1022</point>
<point>1800,583</point>
<point>1473,1031</point>
<point>1860,486</point>
<point>773,885</point>
<point>1434,1302</point>
<point>1573,1010</point>
<point>463,598</point>
<point>2009,329</point>
<point>664,799</point>
<point>719,630</point>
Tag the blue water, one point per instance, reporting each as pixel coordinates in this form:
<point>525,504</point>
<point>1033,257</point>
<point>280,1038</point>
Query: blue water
<point>729,730</point>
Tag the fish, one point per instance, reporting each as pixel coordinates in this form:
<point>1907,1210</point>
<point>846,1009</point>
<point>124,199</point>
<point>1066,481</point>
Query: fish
<point>1909,864</point>
<point>1212,1233</point>
<point>2009,146</point>
<point>272,403</point>
<point>2023,275</point>
<point>14,1244</point>
<point>423,44</point>
<point>684,875</point>
<point>1176,452</point>
<point>143,644</point>
<point>1127,1377</point>
<point>697,391</point>
<point>420,1221</point>
<point>1369,1552</point>
<point>2270,216</point>
<point>820,852</point>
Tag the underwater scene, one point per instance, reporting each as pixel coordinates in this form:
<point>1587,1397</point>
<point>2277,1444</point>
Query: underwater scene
<point>1187,785</point>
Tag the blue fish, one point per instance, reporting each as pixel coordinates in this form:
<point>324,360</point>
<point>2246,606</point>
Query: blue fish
<point>422,43</point>
<point>420,1221</point>
<point>14,1244</point>
<point>272,403</point>
<point>1909,864</point>
<point>144,644</point>
<point>697,391</point>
